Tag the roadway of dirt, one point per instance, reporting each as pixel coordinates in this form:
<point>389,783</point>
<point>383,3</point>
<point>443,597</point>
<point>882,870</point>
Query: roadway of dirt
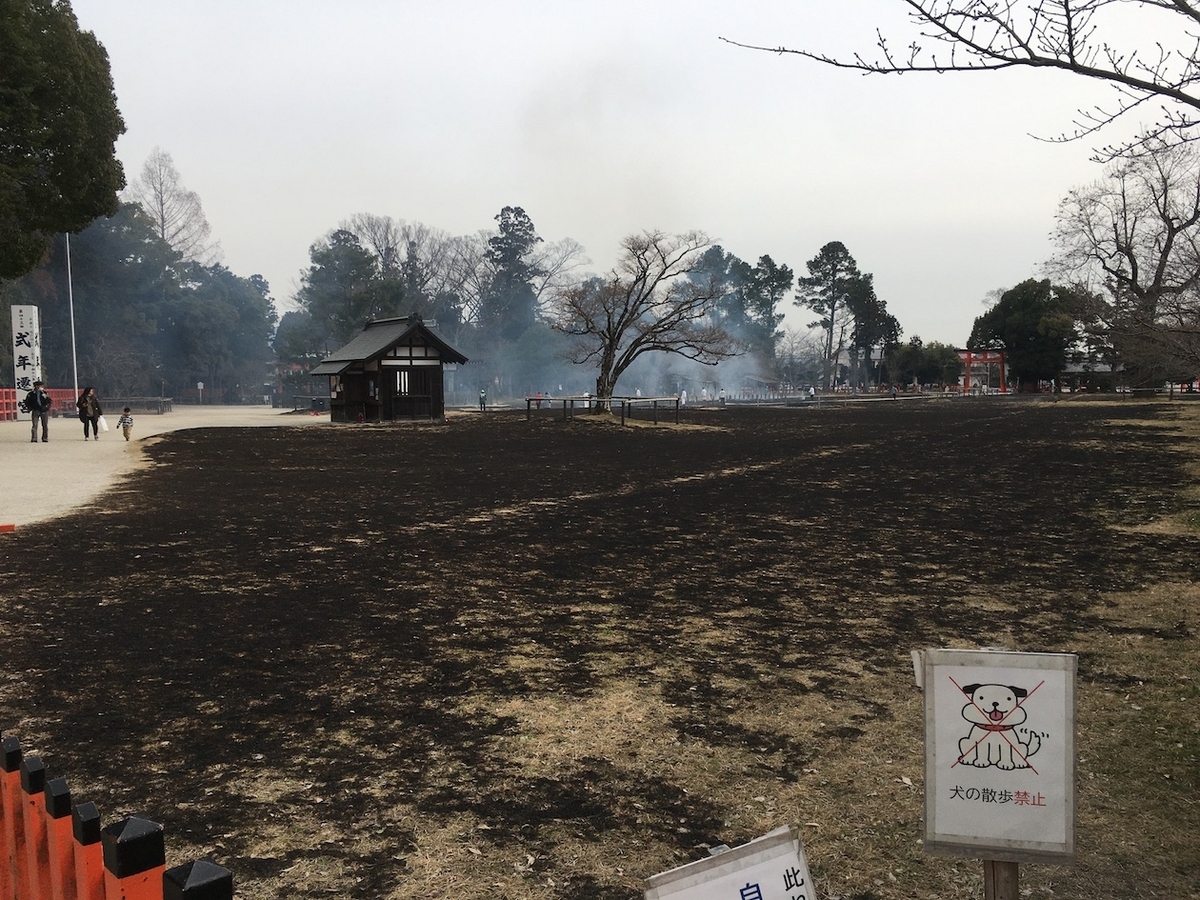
<point>45,480</point>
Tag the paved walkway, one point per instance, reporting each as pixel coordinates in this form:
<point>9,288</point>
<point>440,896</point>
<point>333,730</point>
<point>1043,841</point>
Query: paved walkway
<point>44,480</point>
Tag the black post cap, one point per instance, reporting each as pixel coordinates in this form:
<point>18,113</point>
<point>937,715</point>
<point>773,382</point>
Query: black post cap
<point>12,754</point>
<point>199,880</point>
<point>133,846</point>
<point>58,798</point>
<point>86,822</point>
<point>33,775</point>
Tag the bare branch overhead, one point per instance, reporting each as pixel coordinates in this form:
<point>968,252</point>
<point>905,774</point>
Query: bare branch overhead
<point>1090,38</point>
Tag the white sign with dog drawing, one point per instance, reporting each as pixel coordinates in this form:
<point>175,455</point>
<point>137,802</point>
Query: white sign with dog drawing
<point>1000,754</point>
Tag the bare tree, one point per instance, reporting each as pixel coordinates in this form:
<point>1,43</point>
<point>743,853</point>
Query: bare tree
<point>176,212</point>
<point>645,304</point>
<point>1134,236</point>
<point>428,256</point>
<point>1136,230</point>
<point>1175,342</point>
<point>1083,37</point>
<point>799,357</point>
<point>439,272</point>
<point>470,272</point>
<point>379,234</point>
<point>434,264</point>
<point>554,262</point>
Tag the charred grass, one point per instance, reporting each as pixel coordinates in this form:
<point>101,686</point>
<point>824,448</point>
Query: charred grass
<point>548,659</point>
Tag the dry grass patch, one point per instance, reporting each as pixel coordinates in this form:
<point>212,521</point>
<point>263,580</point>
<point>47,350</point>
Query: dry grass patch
<point>1186,425</point>
<point>669,639</point>
<point>1139,741</point>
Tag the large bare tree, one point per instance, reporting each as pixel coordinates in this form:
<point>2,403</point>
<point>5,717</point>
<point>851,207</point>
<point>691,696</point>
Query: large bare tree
<point>176,212</point>
<point>1090,38</point>
<point>1133,237</point>
<point>645,304</point>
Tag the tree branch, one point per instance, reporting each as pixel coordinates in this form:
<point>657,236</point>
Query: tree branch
<point>1062,35</point>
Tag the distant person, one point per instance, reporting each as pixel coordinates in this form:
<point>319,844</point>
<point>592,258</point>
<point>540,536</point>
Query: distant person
<point>38,402</point>
<point>704,395</point>
<point>89,412</point>
<point>126,423</point>
<point>812,392</point>
<point>721,397</point>
<point>482,399</point>
<point>683,398</point>
<point>895,393</point>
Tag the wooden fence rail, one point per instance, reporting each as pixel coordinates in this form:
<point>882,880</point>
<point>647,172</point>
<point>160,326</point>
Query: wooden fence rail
<point>51,849</point>
<point>591,404</point>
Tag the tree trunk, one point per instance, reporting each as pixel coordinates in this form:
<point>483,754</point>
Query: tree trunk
<point>830,366</point>
<point>604,390</point>
<point>606,379</point>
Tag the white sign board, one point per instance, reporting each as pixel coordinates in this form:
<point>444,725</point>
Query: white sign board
<point>27,347</point>
<point>771,867</point>
<point>1000,755</point>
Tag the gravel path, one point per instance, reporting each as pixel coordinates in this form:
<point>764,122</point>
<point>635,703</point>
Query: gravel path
<point>45,480</point>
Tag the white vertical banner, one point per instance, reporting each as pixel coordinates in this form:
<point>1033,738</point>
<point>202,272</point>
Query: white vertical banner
<point>27,347</point>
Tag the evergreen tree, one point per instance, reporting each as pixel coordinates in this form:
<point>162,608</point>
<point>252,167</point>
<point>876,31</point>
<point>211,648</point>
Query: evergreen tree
<point>147,321</point>
<point>874,327</point>
<point>508,305</point>
<point>1035,323</point>
<point>833,278</point>
<point>343,289</point>
<point>58,126</point>
<point>749,297</point>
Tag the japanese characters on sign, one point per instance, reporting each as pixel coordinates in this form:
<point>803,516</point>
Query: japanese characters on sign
<point>27,347</point>
<point>1000,754</point>
<point>771,867</point>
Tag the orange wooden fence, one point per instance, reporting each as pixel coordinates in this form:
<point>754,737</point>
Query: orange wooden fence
<point>53,850</point>
<point>8,404</point>
<point>64,403</point>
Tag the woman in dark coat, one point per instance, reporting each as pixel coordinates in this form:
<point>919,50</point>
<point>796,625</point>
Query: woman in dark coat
<point>89,412</point>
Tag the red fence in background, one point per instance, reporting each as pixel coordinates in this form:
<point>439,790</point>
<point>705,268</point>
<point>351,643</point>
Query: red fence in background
<point>64,403</point>
<point>51,850</point>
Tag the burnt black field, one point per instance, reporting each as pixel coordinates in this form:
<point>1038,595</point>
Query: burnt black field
<point>311,606</point>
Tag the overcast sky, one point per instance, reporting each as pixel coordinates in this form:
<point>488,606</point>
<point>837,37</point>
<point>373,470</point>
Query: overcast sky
<point>600,120</point>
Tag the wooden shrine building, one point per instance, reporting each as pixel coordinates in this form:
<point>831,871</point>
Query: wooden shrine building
<point>391,371</point>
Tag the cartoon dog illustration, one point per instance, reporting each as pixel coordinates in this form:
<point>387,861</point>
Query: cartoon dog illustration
<point>994,712</point>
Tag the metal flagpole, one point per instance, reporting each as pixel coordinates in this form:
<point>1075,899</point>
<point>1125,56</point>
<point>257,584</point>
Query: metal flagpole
<point>71,306</point>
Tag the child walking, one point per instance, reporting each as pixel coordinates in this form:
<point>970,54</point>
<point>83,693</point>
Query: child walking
<point>126,423</point>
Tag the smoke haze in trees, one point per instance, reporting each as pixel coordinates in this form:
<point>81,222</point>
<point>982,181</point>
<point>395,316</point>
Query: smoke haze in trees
<point>287,120</point>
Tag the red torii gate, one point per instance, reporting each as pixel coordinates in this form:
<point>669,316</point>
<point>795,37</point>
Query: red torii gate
<point>982,357</point>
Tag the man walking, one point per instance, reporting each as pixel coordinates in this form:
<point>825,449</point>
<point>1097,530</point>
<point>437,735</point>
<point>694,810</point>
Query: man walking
<point>38,403</point>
